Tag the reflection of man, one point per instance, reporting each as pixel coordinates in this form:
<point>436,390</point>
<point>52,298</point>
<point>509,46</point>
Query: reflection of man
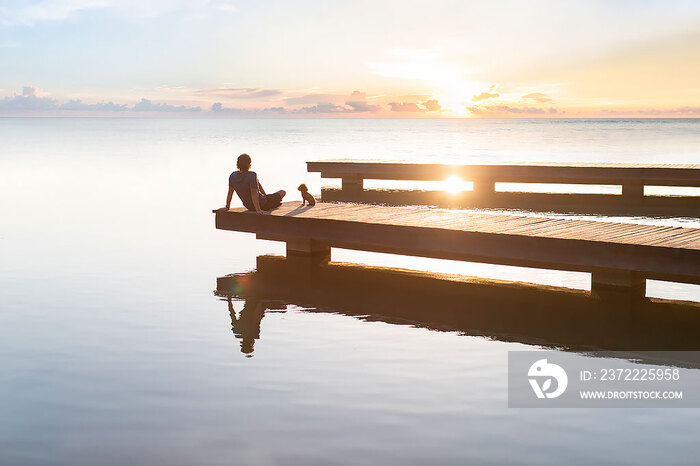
<point>247,325</point>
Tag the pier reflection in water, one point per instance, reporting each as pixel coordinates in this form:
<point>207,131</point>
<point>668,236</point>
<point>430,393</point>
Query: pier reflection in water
<point>512,312</point>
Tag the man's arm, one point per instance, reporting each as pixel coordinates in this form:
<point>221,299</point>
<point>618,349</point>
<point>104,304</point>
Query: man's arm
<point>256,200</point>
<point>228,198</point>
<point>261,189</point>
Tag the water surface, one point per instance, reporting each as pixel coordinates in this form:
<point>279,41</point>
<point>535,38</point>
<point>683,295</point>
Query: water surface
<point>113,349</point>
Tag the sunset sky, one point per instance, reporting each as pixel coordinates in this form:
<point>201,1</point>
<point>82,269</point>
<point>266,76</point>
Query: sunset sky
<point>350,58</point>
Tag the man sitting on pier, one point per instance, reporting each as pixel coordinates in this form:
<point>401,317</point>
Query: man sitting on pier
<point>246,184</point>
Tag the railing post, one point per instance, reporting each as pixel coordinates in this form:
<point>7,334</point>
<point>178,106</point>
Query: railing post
<point>484,187</point>
<point>632,191</point>
<point>352,184</point>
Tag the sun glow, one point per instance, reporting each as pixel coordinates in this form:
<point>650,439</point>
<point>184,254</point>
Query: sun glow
<point>453,184</point>
<point>456,95</point>
<point>445,79</point>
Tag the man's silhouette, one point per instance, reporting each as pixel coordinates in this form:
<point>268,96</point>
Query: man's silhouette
<point>247,325</point>
<point>245,183</point>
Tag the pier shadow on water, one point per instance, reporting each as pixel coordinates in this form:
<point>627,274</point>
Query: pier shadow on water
<point>548,317</point>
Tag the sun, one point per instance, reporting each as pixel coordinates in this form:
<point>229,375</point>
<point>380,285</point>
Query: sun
<point>456,94</point>
<point>453,184</point>
<point>456,108</point>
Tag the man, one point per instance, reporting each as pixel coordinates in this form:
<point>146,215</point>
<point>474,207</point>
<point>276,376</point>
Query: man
<point>246,184</point>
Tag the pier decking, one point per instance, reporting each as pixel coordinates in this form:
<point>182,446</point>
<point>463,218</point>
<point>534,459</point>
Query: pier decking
<point>618,255</point>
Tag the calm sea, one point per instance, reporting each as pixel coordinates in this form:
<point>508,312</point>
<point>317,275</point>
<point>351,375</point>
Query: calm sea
<point>114,350</point>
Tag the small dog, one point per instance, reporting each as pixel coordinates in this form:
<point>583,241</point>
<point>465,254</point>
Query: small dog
<point>305,196</point>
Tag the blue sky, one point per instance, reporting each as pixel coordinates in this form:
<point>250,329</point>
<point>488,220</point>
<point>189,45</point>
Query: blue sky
<point>360,58</point>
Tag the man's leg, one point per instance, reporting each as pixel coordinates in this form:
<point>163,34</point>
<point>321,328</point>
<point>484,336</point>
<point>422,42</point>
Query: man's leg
<point>274,200</point>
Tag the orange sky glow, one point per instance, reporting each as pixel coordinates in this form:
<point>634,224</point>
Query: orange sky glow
<point>442,59</point>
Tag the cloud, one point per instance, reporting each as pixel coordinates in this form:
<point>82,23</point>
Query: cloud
<point>491,93</point>
<point>315,99</point>
<point>360,107</point>
<point>530,110</point>
<point>324,107</point>
<point>484,96</point>
<point>30,99</point>
<point>218,108</point>
<point>78,105</point>
<point>33,99</point>
<point>233,93</point>
<point>146,105</point>
<point>358,103</point>
<point>406,107</point>
<point>432,105</point>
<point>504,109</point>
<point>538,97</point>
<point>329,107</point>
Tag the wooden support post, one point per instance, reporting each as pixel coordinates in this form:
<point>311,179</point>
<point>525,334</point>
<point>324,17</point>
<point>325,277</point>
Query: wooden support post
<point>352,185</point>
<point>618,282</point>
<point>632,192</point>
<point>303,254</point>
<point>307,253</point>
<point>484,187</point>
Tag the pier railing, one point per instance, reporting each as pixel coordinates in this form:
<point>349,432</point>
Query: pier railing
<point>631,178</point>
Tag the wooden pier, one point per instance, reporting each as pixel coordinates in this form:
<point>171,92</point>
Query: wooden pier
<point>619,256</point>
<point>630,179</point>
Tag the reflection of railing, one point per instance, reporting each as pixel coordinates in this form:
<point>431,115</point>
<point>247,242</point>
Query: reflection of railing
<point>631,178</point>
<point>505,311</point>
